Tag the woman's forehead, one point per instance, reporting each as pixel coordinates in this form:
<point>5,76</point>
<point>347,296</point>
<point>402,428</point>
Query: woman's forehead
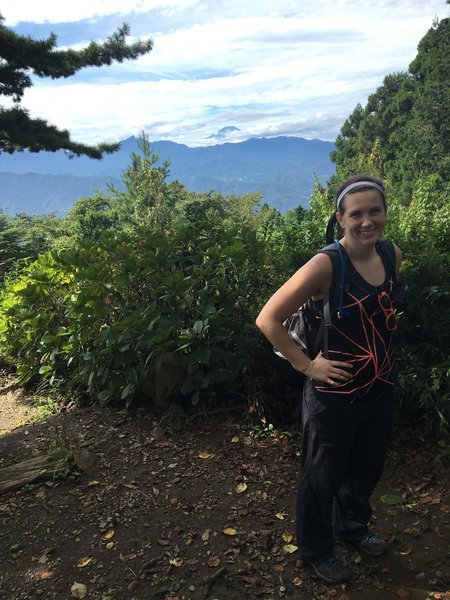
<point>363,198</point>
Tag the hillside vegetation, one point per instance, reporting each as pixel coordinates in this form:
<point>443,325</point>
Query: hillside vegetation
<point>151,293</point>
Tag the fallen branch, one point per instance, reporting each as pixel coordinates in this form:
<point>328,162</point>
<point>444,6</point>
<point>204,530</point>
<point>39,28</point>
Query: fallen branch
<point>217,411</point>
<point>19,474</point>
<point>210,580</point>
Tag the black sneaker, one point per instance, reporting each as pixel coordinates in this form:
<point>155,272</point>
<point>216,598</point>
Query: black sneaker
<point>330,570</point>
<point>371,544</point>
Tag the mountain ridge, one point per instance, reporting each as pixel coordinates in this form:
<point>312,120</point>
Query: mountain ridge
<point>281,168</point>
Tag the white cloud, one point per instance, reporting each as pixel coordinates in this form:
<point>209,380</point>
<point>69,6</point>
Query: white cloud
<point>58,11</point>
<point>292,68</point>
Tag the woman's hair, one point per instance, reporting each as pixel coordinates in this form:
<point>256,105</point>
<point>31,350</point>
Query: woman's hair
<point>356,183</point>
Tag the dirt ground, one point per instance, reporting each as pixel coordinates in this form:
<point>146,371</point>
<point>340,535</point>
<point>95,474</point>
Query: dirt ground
<point>200,510</point>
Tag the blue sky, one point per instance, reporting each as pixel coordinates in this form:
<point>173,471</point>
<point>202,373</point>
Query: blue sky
<point>258,68</point>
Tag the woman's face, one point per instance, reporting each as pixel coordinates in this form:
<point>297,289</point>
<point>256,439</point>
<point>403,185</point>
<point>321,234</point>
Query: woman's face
<point>364,217</point>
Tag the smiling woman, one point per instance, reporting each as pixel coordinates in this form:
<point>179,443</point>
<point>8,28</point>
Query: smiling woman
<point>347,396</point>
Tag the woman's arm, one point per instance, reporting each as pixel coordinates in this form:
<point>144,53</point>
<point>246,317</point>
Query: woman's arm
<point>312,280</point>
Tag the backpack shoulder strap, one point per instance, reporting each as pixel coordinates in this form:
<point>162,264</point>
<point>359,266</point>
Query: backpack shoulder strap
<point>387,248</point>
<point>337,285</point>
<point>333,251</point>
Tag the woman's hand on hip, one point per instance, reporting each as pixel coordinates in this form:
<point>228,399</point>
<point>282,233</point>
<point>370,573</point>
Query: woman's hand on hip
<point>329,371</point>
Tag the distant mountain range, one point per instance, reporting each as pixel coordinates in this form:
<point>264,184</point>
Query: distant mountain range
<point>282,168</point>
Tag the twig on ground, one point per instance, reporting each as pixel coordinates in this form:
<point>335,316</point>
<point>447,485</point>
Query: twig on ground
<point>217,411</point>
<point>210,580</point>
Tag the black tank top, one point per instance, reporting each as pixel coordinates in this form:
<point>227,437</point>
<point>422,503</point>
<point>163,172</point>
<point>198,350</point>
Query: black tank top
<point>365,337</point>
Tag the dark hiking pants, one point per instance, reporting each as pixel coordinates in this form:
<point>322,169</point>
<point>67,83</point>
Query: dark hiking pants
<point>343,452</point>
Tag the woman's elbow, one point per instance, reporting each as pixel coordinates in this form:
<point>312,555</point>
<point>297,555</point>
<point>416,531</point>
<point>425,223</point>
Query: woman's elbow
<point>259,322</point>
<point>263,321</point>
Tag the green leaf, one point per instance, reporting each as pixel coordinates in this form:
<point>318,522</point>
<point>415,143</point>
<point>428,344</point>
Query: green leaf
<point>202,354</point>
<point>127,391</point>
<point>393,499</point>
<point>105,395</point>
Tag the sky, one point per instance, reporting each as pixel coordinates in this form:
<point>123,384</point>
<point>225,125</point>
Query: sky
<point>222,70</point>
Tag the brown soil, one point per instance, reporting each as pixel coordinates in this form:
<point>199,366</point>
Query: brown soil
<point>203,513</point>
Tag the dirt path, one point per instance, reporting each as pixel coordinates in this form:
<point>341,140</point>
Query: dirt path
<point>205,513</point>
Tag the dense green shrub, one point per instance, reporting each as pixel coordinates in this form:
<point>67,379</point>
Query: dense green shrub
<point>100,313</point>
<point>422,231</point>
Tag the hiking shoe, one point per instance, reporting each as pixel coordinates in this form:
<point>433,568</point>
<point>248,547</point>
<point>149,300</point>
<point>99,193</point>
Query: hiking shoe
<point>330,570</point>
<point>371,544</point>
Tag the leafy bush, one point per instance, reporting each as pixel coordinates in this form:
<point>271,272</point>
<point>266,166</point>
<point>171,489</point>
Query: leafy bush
<point>101,313</point>
<point>422,231</point>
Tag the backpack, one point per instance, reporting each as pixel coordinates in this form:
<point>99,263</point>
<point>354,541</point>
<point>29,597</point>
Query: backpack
<point>308,331</point>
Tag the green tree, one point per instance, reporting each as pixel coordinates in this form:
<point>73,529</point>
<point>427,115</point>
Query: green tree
<point>27,236</point>
<point>404,130</point>
<point>90,217</point>
<point>148,198</point>
<point>427,134</point>
<point>21,57</point>
<point>9,242</point>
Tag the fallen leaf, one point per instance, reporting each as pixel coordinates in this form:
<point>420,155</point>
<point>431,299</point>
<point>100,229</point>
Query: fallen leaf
<point>434,563</point>
<point>127,557</point>
<point>46,575</point>
<point>412,531</point>
<point>93,482</point>
<point>235,439</point>
<point>393,499</point>
<point>163,542</point>
<point>176,562</point>
<point>108,535</point>
<point>289,548</point>
<point>84,562</point>
<point>214,561</point>
<point>206,455</point>
<point>278,568</point>
<point>297,581</point>
<point>405,549</point>
<point>230,531</point>
<point>205,535</point>
<point>287,537</point>
<point>280,516</point>
<point>421,486</point>
<point>426,499</point>
<point>240,488</point>
<point>78,590</point>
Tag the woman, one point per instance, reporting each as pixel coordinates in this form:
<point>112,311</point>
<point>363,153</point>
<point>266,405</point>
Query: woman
<point>347,397</point>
